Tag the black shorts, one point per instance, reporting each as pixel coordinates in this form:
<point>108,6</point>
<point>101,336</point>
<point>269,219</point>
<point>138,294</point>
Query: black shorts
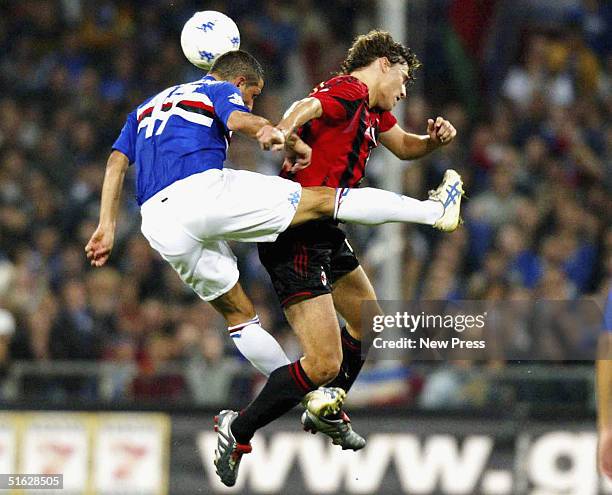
<point>305,261</point>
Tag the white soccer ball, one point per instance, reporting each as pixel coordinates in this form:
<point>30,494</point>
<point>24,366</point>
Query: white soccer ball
<point>206,36</point>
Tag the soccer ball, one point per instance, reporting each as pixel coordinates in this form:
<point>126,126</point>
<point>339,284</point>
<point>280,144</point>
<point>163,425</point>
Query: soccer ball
<point>207,35</point>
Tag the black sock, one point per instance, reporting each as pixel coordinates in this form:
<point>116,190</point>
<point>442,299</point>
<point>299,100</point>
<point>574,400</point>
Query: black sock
<point>351,362</point>
<point>284,389</point>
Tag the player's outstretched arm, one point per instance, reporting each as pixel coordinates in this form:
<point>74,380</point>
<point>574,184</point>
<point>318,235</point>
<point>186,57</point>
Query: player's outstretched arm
<point>101,243</point>
<point>296,116</point>
<point>246,123</point>
<point>254,127</point>
<point>408,146</point>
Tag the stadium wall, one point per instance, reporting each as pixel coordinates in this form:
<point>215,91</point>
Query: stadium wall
<point>157,453</point>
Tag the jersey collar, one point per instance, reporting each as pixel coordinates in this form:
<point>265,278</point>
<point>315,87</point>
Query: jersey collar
<point>358,81</point>
<point>363,85</point>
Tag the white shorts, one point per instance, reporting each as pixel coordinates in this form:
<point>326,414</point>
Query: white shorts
<point>189,222</point>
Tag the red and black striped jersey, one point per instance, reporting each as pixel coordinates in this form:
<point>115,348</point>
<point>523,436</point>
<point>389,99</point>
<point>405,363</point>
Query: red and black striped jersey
<point>343,137</point>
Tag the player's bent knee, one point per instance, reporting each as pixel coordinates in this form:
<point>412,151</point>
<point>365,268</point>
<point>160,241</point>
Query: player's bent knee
<point>326,197</point>
<point>323,369</point>
<point>324,376</point>
<point>330,372</point>
<point>315,203</point>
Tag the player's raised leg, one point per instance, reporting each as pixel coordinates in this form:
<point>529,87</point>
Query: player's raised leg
<point>249,207</point>
<point>370,206</point>
<point>315,203</point>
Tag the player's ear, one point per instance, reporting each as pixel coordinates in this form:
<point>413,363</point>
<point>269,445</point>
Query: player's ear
<point>385,64</point>
<point>240,82</point>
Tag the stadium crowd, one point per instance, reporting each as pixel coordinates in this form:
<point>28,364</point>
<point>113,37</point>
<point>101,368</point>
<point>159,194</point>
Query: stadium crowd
<point>536,157</point>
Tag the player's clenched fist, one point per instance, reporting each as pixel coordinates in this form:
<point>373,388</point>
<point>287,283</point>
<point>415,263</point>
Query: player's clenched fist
<point>441,131</point>
<point>100,245</point>
<point>270,138</point>
<point>298,155</point>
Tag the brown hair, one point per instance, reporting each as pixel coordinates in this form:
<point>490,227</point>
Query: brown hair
<point>238,63</point>
<point>368,47</point>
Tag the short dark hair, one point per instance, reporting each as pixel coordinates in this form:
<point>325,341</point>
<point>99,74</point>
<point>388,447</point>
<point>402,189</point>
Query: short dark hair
<point>238,63</point>
<point>368,47</point>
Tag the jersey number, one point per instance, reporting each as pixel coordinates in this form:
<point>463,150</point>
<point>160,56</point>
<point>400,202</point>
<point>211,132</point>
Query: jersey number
<point>164,106</point>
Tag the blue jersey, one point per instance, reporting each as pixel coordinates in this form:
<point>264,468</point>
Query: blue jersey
<point>179,132</point>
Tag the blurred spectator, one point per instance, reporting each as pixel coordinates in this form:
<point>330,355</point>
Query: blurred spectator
<point>7,330</point>
<point>499,205</point>
<point>210,373</point>
<point>117,383</point>
<point>272,38</point>
<point>524,266</point>
<point>154,383</point>
<point>541,73</point>
<point>455,386</point>
<point>75,333</point>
